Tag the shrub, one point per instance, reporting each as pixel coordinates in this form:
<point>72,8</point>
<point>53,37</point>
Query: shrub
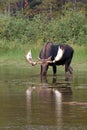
<point>70,28</point>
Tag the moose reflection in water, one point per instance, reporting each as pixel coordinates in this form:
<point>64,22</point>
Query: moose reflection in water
<point>44,102</point>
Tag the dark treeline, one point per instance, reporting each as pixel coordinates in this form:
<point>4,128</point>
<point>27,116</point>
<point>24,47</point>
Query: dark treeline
<point>33,7</point>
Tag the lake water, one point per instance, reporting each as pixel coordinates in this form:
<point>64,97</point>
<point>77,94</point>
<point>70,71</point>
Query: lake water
<point>29,102</point>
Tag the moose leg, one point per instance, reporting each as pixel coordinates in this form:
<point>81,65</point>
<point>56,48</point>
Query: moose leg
<point>54,69</point>
<point>67,73</point>
<point>70,69</point>
<point>44,69</point>
<point>41,70</point>
<point>67,66</point>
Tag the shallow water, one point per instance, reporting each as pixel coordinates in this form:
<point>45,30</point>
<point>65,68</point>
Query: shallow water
<point>29,102</point>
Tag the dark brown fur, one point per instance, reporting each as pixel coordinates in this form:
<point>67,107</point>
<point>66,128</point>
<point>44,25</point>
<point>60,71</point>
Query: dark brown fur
<point>50,50</point>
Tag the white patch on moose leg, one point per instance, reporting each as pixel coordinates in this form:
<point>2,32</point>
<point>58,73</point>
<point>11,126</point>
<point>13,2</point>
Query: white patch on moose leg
<point>59,55</point>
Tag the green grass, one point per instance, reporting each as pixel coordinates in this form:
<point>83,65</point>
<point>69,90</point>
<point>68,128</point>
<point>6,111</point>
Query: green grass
<point>17,54</point>
<point>16,58</point>
<point>80,54</point>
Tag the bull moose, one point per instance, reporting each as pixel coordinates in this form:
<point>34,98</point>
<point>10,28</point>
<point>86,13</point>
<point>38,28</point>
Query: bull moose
<point>53,55</point>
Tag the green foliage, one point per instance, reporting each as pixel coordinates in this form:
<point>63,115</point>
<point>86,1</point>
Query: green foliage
<point>71,28</point>
<point>20,33</point>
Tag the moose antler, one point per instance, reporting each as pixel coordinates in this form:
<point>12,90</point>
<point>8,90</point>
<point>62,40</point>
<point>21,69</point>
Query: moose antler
<point>42,61</point>
<point>48,60</point>
<point>29,58</point>
<point>57,58</point>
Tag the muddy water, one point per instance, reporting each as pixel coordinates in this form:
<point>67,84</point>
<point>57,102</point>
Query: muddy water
<point>29,102</point>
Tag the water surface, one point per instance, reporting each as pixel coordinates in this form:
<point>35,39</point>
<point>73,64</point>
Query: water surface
<point>29,102</point>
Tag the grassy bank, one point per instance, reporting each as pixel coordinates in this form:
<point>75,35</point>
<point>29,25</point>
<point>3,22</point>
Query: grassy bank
<point>17,54</point>
<point>18,35</point>
<point>80,54</point>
